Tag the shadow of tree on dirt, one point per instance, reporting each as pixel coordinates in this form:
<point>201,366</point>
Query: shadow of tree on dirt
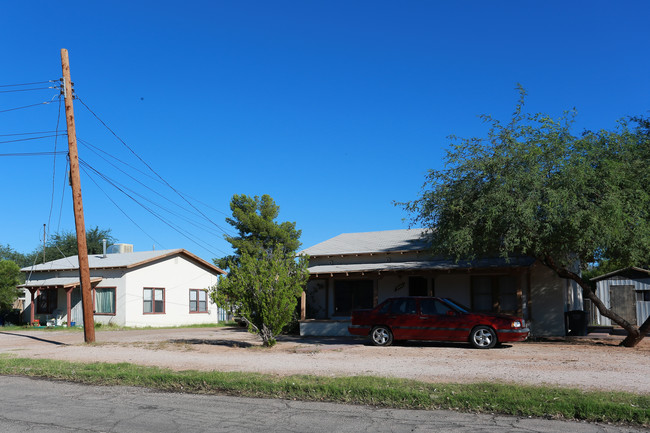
<point>227,343</point>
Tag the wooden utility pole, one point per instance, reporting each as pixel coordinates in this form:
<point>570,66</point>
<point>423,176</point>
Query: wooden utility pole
<point>80,226</point>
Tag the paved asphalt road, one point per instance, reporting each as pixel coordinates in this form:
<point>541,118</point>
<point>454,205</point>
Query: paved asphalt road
<point>35,406</point>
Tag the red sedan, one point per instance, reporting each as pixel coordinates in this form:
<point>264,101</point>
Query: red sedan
<point>435,319</point>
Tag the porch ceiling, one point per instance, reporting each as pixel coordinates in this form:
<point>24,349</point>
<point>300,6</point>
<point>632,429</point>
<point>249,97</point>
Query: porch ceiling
<point>56,283</point>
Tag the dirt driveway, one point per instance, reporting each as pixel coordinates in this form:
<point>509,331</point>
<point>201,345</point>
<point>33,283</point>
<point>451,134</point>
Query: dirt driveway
<point>593,364</point>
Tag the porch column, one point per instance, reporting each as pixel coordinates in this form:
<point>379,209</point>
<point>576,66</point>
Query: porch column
<point>303,305</point>
<point>33,304</point>
<point>68,297</point>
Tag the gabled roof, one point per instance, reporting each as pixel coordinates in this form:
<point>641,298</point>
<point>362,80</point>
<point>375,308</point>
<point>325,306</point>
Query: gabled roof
<point>119,260</point>
<point>631,271</point>
<point>386,241</point>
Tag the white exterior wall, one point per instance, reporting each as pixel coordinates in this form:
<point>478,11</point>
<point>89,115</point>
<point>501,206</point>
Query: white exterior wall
<point>547,294</point>
<point>177,276</point>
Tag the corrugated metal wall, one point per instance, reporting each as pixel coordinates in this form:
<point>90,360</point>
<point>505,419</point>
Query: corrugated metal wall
<point>602,290</point>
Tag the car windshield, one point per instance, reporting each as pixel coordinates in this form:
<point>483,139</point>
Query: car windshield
<point>457,305</point>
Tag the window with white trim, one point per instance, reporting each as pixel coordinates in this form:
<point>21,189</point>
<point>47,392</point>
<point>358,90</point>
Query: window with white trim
<point>154,301</point>
<point>198,301</point>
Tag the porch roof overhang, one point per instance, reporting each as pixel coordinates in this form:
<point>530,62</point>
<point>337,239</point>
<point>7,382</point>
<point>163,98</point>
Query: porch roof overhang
<point>57,283</point>
<point>420,265</point>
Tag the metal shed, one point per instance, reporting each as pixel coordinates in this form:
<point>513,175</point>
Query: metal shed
<point>626,292</point>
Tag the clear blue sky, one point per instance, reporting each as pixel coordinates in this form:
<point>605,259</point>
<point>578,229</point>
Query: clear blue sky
<point>334,108</point>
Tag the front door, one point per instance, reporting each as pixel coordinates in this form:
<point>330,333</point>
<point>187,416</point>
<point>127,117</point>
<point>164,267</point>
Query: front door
<point>622,300</point>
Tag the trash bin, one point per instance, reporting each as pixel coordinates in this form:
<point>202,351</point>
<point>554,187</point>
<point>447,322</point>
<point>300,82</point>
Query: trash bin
<point>576,322</point>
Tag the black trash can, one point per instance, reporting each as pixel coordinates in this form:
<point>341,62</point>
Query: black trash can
<point>576,322</point>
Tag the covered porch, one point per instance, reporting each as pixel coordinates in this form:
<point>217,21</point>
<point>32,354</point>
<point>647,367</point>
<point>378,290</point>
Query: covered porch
<point>44,299</point>
<point>490,286</point>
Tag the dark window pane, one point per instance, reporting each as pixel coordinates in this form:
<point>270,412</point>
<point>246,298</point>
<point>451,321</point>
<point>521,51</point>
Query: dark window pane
<point>351,295</point>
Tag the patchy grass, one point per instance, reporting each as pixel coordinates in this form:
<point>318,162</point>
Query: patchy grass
<point>558,403</point>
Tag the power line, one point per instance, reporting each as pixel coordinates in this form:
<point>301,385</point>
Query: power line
<point>30,138</point>
<point>28,133</point>
<point>185,234</point>
<point>196,224</point>
<point>97,150</point>
<point>29,84</point>
<point>27,106</point>
<point>33,154</point>
<point>119,208</point>
<point>149,167</point>
<point>56,136</point>
<point>29,90</point>
<point>67,163</point>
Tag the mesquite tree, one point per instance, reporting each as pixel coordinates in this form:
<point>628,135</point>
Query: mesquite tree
<point>531,187</point>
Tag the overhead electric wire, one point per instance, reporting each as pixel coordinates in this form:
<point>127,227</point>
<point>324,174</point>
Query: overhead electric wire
<point>195,223</point>
<point>29,84</point>
<point>119,208</point>
<point>124,187</point>
<point>67,164</point>
<point>27,106</point>
<point>28,90</point>
<point>33,154</point>
<point>149,167</point>
<point>30,138</point>
<point>28,133</point>
<point>98,150</point>
<point>151,211</point>
<point>56,136</point>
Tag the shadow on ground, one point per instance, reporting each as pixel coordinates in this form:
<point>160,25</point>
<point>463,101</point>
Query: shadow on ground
<point>58,343</point>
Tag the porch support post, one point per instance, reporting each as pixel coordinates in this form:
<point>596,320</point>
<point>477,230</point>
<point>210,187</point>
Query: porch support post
<point>68,300</point>
<point>303,305</point>
<point>32,306</point>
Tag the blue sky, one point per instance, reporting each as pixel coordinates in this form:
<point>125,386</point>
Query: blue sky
<point>334,108</point>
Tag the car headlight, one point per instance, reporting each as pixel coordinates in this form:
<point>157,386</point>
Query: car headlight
<point>516,324</point>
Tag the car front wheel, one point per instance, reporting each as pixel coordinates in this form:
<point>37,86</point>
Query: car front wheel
<point>381,336</point>
<point>483,337</point>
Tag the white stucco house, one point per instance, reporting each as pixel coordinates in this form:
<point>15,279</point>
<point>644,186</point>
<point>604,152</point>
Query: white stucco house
<point>146,288</point>
<point>360,270</point>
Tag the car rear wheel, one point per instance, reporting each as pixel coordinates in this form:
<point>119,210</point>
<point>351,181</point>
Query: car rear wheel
<point>483,337</point>
<point>381,336</point>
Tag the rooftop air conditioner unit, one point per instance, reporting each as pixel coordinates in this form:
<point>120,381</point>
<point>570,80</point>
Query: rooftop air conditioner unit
<point>120,249</point>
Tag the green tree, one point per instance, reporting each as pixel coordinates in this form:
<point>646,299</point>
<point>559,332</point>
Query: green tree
<point>10,277</point>
<point>257,231</point>
<point>64,244</point>
<point>263,290</point>
<point>8,253</point>
<point>265,278</point>
<point>533,188</point>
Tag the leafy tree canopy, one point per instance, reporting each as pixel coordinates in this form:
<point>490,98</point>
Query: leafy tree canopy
<point>10,277</point>
<point>265,278</point>
<point>64,244</point>
<point>8,253</point>
<point>532,187</point>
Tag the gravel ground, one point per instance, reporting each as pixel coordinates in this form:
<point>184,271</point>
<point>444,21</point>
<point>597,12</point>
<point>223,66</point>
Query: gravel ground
<point>593,363</point>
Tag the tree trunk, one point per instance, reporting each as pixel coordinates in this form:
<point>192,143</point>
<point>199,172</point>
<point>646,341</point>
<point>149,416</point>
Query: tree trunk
<point>633,339</point>
<point>634,333</point>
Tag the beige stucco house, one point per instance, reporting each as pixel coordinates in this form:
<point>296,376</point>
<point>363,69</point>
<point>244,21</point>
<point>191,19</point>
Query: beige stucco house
<point>360,270</point>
